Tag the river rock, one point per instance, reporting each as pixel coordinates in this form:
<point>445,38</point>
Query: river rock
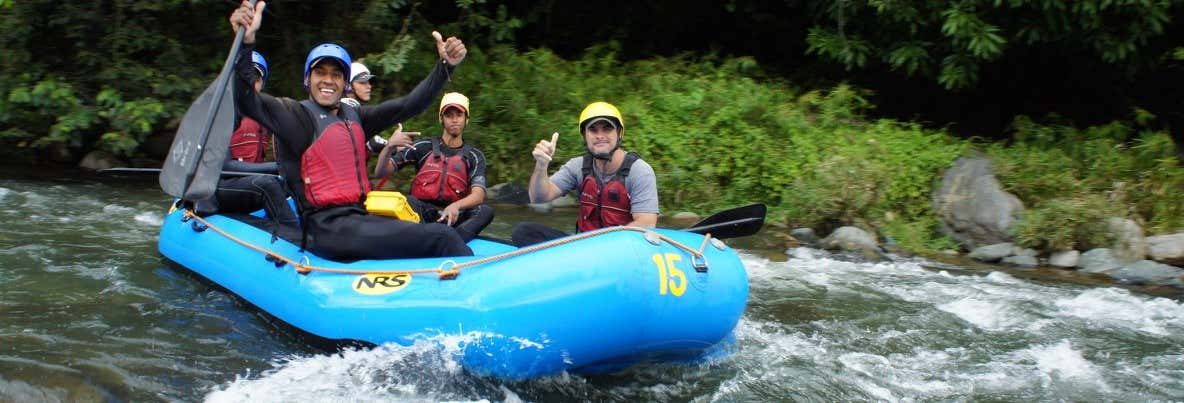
<point>1100,260</point>
<point>1147,272</point>
<point>1021,261</point>
<point>1129,243</point>
<point>992,253</point>
<point>973,208</point>
<point>98,159</point>
<point>851,239</point>
<point>157,145</point>
<point>1167,249</point>
<point>565,201</point>
<point>804,235</point>
<point>541,207</point>
<point>1064,258</point>
<point>508,192</point>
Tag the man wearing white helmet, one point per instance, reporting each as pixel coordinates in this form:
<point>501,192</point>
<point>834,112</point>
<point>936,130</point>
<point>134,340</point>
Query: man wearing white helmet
<point>449,184</point>
<point>615,187</point>
<point>321,150</point>
<point>359,91</point>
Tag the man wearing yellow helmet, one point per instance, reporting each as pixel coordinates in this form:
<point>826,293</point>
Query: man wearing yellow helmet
<point>449,184</point>
<point>615,187</point>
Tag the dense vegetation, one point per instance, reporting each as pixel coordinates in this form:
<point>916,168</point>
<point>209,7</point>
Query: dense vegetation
<point>720,127</point>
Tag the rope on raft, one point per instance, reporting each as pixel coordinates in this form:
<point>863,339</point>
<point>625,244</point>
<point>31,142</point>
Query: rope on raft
<point>453,268</point>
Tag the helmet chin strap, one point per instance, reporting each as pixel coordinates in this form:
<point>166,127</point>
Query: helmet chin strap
<point>605,156</point>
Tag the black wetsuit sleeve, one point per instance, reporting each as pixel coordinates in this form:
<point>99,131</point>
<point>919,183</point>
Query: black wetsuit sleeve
<point>410,156</point>
<point>283,117</point>
<point>380,117</point>
<point>477,161</point>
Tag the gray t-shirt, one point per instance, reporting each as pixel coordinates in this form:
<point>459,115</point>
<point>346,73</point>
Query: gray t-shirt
<point>641,183</point>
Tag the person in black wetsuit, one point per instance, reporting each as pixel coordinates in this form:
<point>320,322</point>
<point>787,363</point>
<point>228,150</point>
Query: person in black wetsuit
<point>321,146</point>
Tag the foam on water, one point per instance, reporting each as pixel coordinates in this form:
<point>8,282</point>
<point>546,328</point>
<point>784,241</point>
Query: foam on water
<point>991,343</point>
<point>421,372</point>
<point>1112,307</point>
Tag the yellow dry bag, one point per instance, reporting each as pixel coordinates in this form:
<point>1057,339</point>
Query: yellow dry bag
<point>390,204</point>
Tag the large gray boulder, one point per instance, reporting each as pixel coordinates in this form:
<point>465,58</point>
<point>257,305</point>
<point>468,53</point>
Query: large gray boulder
<point>1167,248</point>
<point>973,208</point>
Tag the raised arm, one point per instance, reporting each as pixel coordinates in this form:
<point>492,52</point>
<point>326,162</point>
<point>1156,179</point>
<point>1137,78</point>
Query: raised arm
<point>248,102</point>
<point>377,118</point>
<point>541,189</point>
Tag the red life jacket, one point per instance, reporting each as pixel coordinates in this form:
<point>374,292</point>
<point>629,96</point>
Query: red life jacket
<point>442,179</point>
<point>605,204</point>
<point>249,141</point>
<point>333,168</point>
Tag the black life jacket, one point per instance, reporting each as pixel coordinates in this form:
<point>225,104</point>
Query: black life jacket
<point>605,204</point>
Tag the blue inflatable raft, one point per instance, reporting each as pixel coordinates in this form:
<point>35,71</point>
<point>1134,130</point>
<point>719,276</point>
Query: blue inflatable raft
<point>591,302</point>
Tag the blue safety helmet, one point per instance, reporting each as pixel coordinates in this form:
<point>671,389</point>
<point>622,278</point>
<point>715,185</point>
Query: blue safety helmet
<point>329,50</point>
<point>261,65</point>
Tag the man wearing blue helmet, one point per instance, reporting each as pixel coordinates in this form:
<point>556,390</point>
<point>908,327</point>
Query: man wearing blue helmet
<point>248,153</point>
<point>321,148</point>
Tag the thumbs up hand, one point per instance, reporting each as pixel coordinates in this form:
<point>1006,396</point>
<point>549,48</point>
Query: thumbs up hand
<point>452,50</point>
<point>545,150</point>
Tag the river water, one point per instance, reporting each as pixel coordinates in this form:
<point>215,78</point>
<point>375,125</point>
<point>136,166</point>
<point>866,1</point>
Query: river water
<point>90,312</point>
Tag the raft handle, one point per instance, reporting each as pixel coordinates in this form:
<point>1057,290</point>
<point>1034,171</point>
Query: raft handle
<point>699,262</point>
<point>274,260</point>
<point>198,226</point>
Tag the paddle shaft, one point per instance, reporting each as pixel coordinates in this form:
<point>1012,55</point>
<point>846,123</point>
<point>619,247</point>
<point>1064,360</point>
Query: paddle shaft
<point>157,171</point>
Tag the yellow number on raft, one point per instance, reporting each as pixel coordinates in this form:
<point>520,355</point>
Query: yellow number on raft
<point>670,279</point>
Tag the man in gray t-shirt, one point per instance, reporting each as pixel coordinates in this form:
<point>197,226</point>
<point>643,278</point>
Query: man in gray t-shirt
<point>615,187</point>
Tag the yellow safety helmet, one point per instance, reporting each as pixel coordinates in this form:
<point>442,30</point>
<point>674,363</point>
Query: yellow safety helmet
<point>601,109</point>
<point>454,99</point>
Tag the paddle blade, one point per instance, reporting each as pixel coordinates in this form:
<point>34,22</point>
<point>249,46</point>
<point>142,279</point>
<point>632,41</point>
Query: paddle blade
<point>195,159</point>
<point>732,223</point>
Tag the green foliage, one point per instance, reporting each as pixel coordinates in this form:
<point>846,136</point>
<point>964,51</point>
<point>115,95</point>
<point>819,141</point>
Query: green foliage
<point>918,235</point>
<point>1072,177</point>
<point>1074,222</point>
<point>128,122</point>
<point>852,52</point>
<point>48,103</point>
<point>951,41</point>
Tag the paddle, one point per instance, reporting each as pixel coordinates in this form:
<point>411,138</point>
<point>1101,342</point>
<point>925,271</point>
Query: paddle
<point>157,170</point>
<point>732,223</point>
<point>194,163</point>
